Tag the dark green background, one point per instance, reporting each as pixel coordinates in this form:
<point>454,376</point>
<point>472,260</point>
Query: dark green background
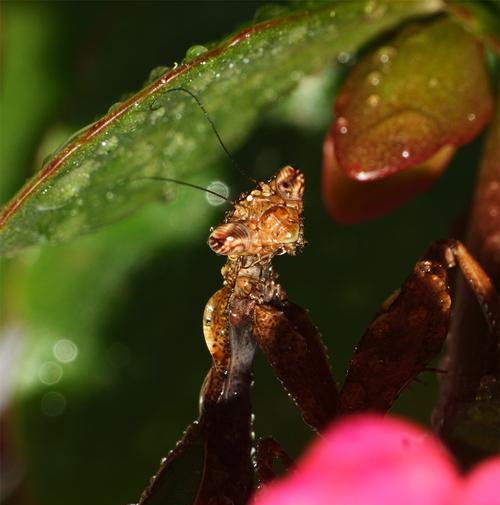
<point>67,62</point>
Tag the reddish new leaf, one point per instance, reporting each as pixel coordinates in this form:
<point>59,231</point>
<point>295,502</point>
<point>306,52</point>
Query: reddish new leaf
<point>350,201</point>
<point>426,89</point>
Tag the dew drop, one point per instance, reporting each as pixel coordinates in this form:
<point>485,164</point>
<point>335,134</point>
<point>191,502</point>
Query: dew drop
<point>157,111</point>
<point>115,107</point>
<point>405,153</point>
<point>156,73</point>
<point>374,78</point>
<point>344,57</point>
<point>195,51</point>
<point>341,125</point>
<point>471,117</point>
<point>108,145</point>
<point>67,187</point>
<point>373,100</point>
<point>385,54</point>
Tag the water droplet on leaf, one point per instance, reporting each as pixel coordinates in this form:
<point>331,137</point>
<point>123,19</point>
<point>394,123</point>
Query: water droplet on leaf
<point>341,125</point>
<point>195,51</point>
<point>374,78</point>
<point>373,100</point>
<point>156,73</point>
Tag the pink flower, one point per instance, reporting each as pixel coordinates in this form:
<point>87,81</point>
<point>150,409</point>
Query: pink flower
<point>375,460</point>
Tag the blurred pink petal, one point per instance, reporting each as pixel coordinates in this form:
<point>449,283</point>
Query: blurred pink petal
<point>369,460</point>
<point>482,486</point>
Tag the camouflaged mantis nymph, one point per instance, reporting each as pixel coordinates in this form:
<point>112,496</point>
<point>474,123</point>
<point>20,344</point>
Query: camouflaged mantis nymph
<point>252,310</point>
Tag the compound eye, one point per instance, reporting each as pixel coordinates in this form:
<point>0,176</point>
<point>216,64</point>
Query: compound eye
<point>290,183</point>
<point>230,239</point>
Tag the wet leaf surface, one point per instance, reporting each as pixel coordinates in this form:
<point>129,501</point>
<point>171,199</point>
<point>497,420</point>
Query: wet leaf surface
<point>92,179</point>
<point>425,89</point>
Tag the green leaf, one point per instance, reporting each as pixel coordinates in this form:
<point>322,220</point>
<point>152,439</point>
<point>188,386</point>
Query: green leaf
<point>427,88</point>
<point>93,179</point>
<point>30,35</point>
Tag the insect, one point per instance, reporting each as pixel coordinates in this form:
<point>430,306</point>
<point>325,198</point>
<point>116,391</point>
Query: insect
<point>252,310</point>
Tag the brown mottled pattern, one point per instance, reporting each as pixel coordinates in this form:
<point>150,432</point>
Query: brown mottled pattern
<point>293,347</point>
<point>405,335</point>
<point>252,307</point>
<point>264,222</point>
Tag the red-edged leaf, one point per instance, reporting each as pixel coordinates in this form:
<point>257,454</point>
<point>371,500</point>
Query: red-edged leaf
<point>95,178</point>
<point>350,201</point>
<point>406,100</point>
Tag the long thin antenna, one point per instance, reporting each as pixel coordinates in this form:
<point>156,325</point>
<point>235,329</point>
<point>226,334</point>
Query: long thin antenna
<point>182,183</point>
<point>209,119</point>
